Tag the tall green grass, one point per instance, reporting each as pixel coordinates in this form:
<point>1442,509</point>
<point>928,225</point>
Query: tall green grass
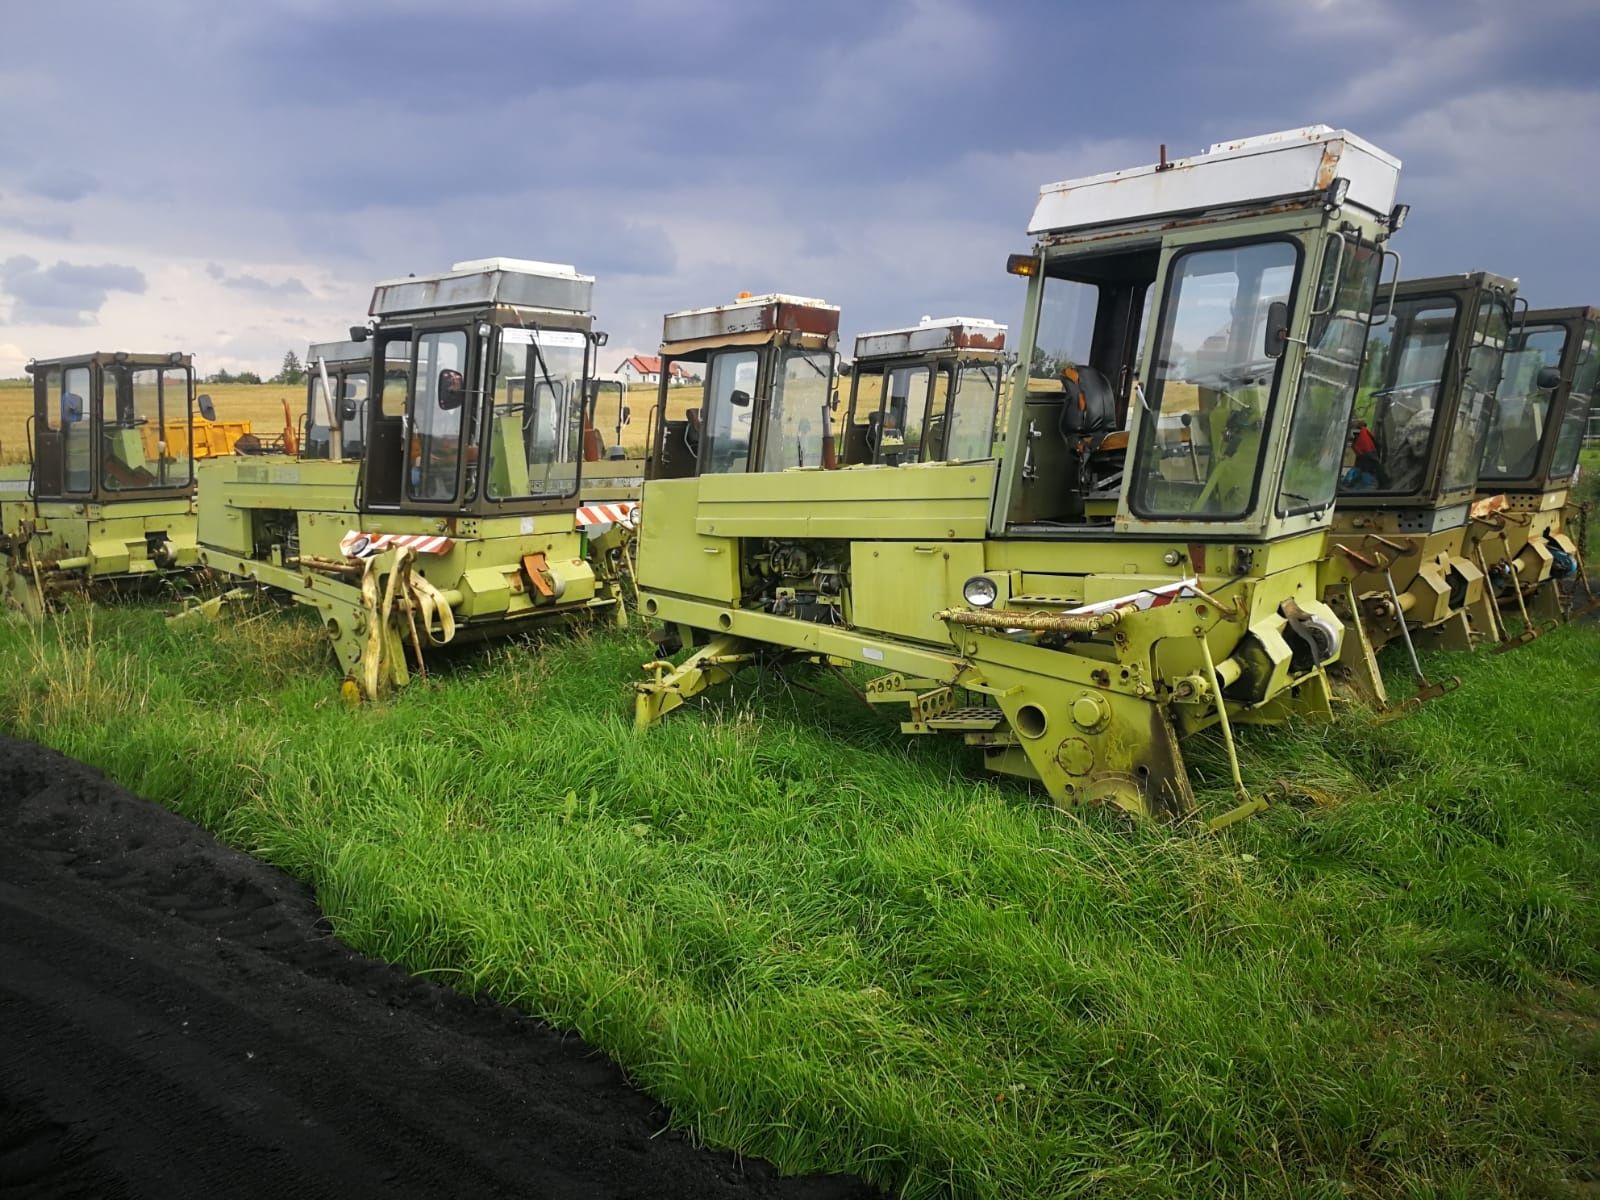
<point>822,943</point>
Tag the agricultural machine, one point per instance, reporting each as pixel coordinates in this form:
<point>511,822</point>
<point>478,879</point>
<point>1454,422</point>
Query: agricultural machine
<point>1073,639</point>
<point>1397,557</point>
<point>338,392</point>
<point>461,519</point>
<point>107,501</point>
<point>1517,533</point>
<point>767,401</point>
<point>928,393</point>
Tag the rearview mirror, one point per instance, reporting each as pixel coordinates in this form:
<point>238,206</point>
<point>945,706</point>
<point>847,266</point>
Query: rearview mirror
<point>207,408</point>
<point>348,410</point>
<point>739,398</point>
<point>71,408</point>
<point>1549,379</point>
<point>452,392</point>
<point>833,400</point>
<point>1277,339</point>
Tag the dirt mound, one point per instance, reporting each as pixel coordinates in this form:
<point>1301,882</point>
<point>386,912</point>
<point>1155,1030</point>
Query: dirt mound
<point>176,1019</point>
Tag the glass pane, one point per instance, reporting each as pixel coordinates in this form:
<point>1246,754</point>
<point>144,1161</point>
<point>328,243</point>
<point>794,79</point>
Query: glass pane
<point>74,410</point>
<point>1579,401</point>
<point>130,429</point>
<point>318,414</point>
<point>729,413</point>
<point>1401,377</point>
<point>1065,333</point>
<point>354,391</point>
<point>1328,376</point>
<point>899,429</point>
<point>972,415</point>
<point>52,398</point>
<point>438,404</point>
<point>1476,408</point>
<point>1521,406</point>
<point>799,413</point>
<point>1210,381</point>
<point>538,414</point>
<point>177,469</point>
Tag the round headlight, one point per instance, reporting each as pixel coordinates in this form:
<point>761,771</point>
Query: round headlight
<point>979,591</point>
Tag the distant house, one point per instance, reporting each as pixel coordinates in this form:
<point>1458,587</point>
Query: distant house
<point>646,368</point>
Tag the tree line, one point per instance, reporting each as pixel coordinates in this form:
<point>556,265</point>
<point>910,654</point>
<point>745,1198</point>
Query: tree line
<point>293,371</point>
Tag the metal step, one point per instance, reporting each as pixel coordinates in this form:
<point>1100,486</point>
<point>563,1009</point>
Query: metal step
<point>968,718</point>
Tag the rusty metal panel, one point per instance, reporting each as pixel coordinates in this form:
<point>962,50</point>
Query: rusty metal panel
<point>1295,162</point>
<point>771,313</point>
<point>931,335</point>
<point>338,352</point>
<point>478,283</point>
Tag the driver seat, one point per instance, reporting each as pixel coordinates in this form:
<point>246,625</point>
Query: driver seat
<point>1089,407</point>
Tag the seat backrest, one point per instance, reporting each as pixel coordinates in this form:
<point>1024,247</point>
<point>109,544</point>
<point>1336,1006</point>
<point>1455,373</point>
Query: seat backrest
<point>1089,409</point>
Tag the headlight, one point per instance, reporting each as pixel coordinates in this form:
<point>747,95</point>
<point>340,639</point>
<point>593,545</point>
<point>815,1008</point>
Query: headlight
<point>979,591</point>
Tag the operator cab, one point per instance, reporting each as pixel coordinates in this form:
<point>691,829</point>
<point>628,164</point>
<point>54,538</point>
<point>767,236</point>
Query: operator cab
<point>1543,403</point>
<point>1427,396</point>
<point>928,393</point>
<point>767,399</point>
<point>487,417</point>
<point>1192,338</point>
<point>113,426</point>
<point>348,370</point>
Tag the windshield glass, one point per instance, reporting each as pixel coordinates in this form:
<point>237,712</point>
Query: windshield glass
<point>799,415</point>
<point>537,423</point>
<point>1330,370</point>
<point>144,431</point>
<point>1580,399</point>
<point>1402,376</point>
<point>972,413</point>
<point>1211,381</point>
<point>1476,407</point>
<point>1522,407</point>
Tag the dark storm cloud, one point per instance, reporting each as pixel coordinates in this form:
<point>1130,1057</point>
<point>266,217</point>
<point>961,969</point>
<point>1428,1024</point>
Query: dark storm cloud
<point>885,156</point>
<point>63,293</point>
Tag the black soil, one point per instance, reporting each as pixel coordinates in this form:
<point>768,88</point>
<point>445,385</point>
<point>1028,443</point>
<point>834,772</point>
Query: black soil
<point>177,1020</point>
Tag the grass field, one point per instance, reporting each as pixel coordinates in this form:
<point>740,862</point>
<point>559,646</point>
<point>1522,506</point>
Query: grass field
<point>821,942</point>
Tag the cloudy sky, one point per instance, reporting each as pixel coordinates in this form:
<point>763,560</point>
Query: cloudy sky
<point>230,179</point>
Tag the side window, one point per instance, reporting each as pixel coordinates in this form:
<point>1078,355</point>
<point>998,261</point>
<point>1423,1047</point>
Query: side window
<point>176,467</point>
<point>50,382</point>
<point>353,389</point>
<point>1329,371</point>
<point>729,411</point>
<point>972,413</point>
<point>73,408</point>
<point>1522,406</point>
<point>900,425</point>
<point>1402,376</point>
<point>1066,331</point>
<point>438,403</point>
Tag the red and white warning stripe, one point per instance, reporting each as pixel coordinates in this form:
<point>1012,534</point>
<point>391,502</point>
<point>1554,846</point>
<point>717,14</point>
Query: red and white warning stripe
<point>623,512</point>
<point>1150,598</point>
<point>367,545</point>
